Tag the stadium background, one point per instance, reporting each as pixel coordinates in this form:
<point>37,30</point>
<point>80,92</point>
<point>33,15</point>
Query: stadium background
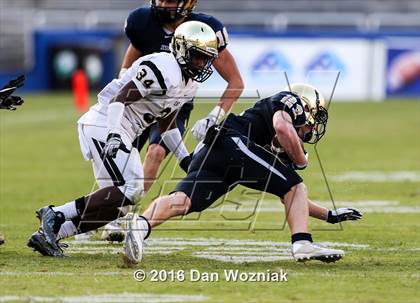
<point>374,44</point>
<point>370,154</point>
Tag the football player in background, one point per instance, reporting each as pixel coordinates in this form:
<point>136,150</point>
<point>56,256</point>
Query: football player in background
<point>9,102</point>
<point>233,153</point>
<point>151,91</point>
<point>150,30</point>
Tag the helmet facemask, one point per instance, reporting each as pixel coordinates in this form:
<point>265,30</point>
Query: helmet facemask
<point>170,15</point>
<point>316,118</point>
<point>199,73</point>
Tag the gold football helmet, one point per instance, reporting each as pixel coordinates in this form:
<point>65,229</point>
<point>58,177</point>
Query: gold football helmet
<point>315,110</point>
<point>169,15</point>
<point>194,46</point>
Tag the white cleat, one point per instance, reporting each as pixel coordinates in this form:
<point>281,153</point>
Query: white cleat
<point>114,231</point>
<point>134,240</point>
<point>303,251</point>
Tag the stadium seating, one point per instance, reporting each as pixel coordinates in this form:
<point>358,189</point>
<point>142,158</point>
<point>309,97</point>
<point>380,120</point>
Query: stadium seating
<point>20,18</point>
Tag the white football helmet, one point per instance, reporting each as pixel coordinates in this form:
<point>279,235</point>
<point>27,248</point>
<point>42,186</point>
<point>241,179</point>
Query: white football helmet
<point>191,40</point>
<point>315,110</point>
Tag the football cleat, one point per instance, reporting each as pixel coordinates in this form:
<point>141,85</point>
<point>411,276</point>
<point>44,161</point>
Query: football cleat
<point>1,239</point>
<point>51,222</point>
<point>115,231</point>
<point>306,251</point>
<point>40,244</point>
<point>134,240</point>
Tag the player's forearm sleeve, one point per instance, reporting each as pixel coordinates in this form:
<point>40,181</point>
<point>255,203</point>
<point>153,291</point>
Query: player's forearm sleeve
<point>173,140</point>
<point>114,115</point>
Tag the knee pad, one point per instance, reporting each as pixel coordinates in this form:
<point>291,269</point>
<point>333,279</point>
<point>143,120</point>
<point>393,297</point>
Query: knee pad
<point>133,190</point>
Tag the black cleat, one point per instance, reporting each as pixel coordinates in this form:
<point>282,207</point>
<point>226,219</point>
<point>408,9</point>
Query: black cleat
<point>1,239</point>
<point>51,222</point>
<point>40,244</point>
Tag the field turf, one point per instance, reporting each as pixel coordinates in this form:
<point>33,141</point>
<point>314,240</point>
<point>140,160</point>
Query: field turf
<point>370,155</point>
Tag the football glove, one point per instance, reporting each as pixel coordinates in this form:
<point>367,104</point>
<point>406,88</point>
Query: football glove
<point>112,145</point>
<point>11,102</point>
<point>7,101</point>
<point>343,214</point>
<point>200,128</point>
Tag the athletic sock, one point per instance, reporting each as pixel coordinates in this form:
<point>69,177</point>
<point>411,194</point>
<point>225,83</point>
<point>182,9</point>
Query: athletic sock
<point>67,229</point>
<point>69,210</point>
<point>301,237</point>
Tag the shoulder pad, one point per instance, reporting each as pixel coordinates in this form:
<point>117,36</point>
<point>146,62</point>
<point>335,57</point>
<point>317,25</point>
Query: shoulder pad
<point>137,22</point>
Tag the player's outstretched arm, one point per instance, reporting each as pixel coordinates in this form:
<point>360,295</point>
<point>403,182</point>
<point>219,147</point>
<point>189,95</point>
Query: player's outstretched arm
<point>131,55</point>
<point>226,66</point>
<point>335,215</point>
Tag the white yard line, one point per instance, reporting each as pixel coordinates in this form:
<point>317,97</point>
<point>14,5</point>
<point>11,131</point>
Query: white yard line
<point>110,298</point>
<point>57,273</point>
<point>239,260</point>
<point>225,250</point>
<point>378,176</point>
<point>366,206</point>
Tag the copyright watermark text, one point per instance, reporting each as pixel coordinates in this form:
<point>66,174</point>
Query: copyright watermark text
<point>194,275</point>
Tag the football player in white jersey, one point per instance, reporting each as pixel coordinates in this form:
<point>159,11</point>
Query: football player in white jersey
<point>152,91</point>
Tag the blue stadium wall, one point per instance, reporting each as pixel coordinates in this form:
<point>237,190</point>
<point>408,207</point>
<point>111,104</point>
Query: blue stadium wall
<point>371,66</point>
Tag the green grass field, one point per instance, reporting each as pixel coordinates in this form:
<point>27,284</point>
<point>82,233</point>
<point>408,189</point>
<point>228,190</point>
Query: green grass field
<point>371,158</point>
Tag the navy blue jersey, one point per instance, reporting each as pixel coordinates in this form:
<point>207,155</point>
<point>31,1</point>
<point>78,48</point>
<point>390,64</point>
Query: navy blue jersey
<point>256,122</point>
<point>147,35</point>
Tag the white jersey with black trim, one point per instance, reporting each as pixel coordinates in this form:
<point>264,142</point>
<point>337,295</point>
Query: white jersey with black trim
<point>159,79</point>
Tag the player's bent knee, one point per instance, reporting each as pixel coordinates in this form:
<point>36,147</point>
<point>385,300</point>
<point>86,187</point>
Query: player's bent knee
<point>156,152</point>
<point>133,190</point>
<point>299,188</point>
<point>182,202</point>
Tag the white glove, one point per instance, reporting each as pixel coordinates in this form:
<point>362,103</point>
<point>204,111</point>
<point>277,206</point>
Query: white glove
<point>200,128</point>
<point>112,145</point>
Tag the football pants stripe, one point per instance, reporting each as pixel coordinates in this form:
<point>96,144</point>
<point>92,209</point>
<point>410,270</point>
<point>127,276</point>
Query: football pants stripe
<point>110,165</point>
<point>254,157</point>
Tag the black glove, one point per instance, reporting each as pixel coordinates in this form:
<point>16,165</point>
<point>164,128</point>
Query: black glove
<point>11,102</point>
<point>112,145</point>
<point>185,163</point>
<point>7,101</point>
<point>343,214</point>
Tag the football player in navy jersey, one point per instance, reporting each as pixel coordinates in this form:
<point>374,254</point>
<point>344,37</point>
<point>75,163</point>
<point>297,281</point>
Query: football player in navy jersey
<point>233,153</point>
<point>150,30</point>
